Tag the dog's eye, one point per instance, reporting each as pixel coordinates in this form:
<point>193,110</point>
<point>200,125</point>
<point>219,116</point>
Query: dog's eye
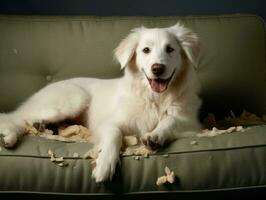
<point>169,49</point>
<point>146,50</point>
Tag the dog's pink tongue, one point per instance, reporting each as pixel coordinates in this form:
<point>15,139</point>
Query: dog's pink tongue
<point>158,85</point>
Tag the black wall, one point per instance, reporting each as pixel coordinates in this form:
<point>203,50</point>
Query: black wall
<point>132,7</point>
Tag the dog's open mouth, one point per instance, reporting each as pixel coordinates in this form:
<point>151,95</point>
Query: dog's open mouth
<point>159,85</point>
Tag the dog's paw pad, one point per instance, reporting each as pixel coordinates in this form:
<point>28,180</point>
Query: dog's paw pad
<point>152,141</point>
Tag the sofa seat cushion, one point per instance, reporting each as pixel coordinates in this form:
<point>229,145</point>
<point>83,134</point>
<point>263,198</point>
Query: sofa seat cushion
<point>230,161</point>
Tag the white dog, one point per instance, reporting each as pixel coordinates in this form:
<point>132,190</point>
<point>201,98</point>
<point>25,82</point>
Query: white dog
<point>156,99</point>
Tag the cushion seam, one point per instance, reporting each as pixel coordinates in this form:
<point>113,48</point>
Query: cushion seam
<point>152,155</point>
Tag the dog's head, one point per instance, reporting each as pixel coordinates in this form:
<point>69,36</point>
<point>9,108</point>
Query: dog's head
<point>159,53</point>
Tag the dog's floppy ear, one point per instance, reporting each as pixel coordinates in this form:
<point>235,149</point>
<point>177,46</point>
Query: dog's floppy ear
<point>127,47</point>
<point>188,40</point>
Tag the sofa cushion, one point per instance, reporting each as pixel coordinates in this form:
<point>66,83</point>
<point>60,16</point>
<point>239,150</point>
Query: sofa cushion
<point>230,161</point>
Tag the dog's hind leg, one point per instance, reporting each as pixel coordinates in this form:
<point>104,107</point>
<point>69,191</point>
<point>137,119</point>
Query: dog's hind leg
<point>54,103</point>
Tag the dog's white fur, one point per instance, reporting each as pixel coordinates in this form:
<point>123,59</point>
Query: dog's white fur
<point>127,105</point>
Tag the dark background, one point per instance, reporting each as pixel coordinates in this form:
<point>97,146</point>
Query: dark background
<point>132,7</point>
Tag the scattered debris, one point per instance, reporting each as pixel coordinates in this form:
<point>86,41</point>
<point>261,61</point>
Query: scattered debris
<point>72,133</point>
<point>93,154</point>
<point>193,142</point>
<point>75,132</point>
<point>133,147</point>
<point>146,155</point>
<point>62,164</point>
<point>136,157</point>
<point>57,160</point>
<point>240,129</point>
<point>139,150</point>
<point>131,144</point>
<point>15,51</point>
<point>75,155</point>
<point>169,177</point>
<point>245,119</point>
<point>36,129</point>
<point>161,180</point>
<point>214,131</point>
<point>130,140</point>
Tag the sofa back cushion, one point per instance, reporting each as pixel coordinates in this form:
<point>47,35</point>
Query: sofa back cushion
<point>35,51</point>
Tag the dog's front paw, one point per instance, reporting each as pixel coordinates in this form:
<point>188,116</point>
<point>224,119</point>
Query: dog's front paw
<point>105,167</point>
<point>152,140</point>
<point>8,134</point>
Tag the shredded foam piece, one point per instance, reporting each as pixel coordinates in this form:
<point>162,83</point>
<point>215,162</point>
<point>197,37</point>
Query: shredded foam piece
<point>92,153</point>
<point>72,133</point>
<point>139,150</point>
<point>75,155</point>
<point>193,142</point>
<point>76,132</point>
<point>214,131</point>
<point>161,180</point>
<point>62,164</point>
<point>132,147</point>
<point>31,130</point>
<point>130,140</point>
<point>169,177</point>
<point>166,155</point>
<point>57,160</point>
<point>245,119</point>
<point>136,157</point>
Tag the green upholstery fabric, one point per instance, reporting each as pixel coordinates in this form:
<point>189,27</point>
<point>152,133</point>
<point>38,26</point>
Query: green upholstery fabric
<point>35,51</point>
<point>229,161</point>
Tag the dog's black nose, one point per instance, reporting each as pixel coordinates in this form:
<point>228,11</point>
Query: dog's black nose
<point>157,69</point>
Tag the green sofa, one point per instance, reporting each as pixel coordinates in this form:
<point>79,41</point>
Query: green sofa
<point>35,51</point>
